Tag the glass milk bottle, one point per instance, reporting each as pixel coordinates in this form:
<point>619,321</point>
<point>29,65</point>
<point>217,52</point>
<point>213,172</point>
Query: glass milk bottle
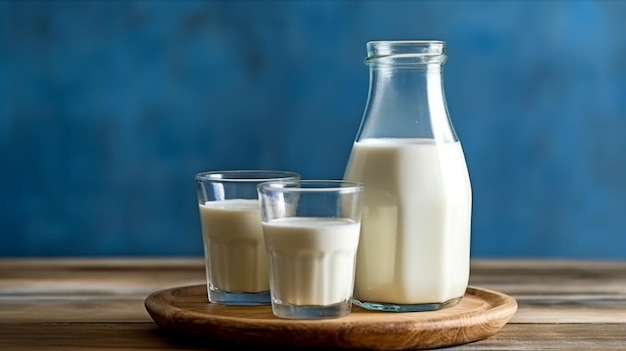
<point>414,250</point>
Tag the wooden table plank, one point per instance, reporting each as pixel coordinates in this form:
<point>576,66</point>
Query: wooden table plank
<point>558,291</point>
<point>87,336</point>
<point>146,336</point>
<point>549,277</point>
<point>96,277</point>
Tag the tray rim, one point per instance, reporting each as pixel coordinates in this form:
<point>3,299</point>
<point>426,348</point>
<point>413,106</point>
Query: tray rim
<point>500,309</point>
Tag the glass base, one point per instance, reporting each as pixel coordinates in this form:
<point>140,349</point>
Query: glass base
<point>311,312</point>
<point>391,307</point>
<point>239,298</point>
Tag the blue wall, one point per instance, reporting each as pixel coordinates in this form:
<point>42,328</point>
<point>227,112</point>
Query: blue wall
<point>108,109</point>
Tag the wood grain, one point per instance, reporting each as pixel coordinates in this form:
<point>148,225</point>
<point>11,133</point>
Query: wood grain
<point>185,310</point>
<point>86,304</point>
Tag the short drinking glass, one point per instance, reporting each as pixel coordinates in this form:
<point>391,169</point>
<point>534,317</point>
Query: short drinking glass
<point>234,250</point>
<point>311,230</point>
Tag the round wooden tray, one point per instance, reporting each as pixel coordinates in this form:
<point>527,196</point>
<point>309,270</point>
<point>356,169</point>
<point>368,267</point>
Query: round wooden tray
<point>185,311</point>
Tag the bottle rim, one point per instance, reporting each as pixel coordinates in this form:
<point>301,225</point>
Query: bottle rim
<point>405,52</point>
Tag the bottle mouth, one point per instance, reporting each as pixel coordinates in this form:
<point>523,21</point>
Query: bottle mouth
<point>405,52</point>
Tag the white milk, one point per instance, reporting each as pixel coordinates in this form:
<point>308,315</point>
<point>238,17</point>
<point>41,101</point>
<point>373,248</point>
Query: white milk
<point>234,246</point>
<point>312,259</point>
<point>415,234</point>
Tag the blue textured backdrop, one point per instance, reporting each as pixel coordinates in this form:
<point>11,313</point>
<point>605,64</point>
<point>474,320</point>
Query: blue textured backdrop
<point>108,109</point>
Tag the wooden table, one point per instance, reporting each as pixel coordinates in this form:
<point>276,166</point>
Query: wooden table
<point>79,304</point>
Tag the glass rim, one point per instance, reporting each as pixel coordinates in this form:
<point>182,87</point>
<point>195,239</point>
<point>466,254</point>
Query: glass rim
<point>246,175</point>
<point>311,186</point>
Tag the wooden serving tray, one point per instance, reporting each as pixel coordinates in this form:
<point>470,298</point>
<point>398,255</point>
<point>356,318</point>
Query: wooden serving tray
<point>185,311</point>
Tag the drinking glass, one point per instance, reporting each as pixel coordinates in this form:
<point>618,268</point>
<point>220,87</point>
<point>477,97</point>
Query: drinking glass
<point>311,230</point>
<point>234,249</point>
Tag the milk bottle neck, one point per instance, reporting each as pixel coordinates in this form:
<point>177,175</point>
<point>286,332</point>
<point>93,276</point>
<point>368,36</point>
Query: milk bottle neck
<point>406,97</point>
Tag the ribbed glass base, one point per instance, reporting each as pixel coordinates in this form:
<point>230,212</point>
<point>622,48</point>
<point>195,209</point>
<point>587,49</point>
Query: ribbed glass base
<point>311,312</point>
<point>390,307</point>
<point>239,298</point>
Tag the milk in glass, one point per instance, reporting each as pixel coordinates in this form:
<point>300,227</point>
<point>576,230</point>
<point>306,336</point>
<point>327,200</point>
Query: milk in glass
<point>234,244</point>
<point>312,259</point>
